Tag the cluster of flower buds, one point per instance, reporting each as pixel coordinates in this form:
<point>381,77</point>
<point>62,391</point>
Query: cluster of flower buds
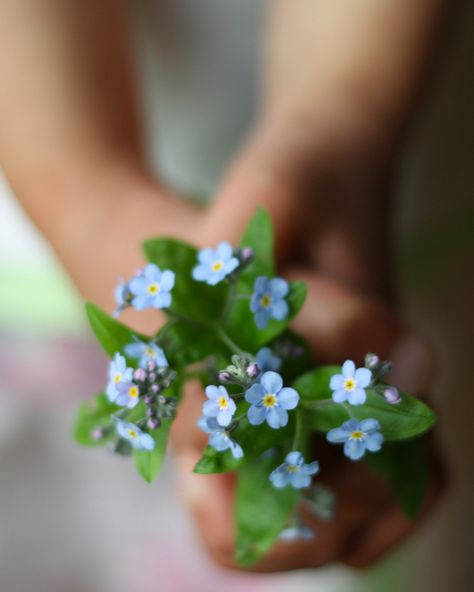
<point>243,370</point>
<point>151,381</point>
<point>379,369</point>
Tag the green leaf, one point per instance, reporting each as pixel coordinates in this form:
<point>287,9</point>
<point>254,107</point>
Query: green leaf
<point>410,418</point>
<point>404,466</point>
<point>111,334</point>
<point>254,441</point>
<point>191,299</point>
<point>148,464</point>
<point>241,324</point>
<point>91,415</point>
<point>259,236</point>
<point>185,343</point>
<point>261,511</point>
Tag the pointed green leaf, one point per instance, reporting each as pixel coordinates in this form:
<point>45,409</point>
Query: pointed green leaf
<point>91,415</point>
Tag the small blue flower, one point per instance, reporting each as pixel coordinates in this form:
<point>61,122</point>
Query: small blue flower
<point>127,394</point>
<point>297,533</point>
<point>219,405</point>
<point>294,472</point>
<point>215,264</point>
<point>219,437</point>
<point>152,287</point>
<point>268,300</point>
<point>123,297</point>
<point>146,352</point>
<point>267,360</point>
<point>351,384</point>
<point>138,439</point>
<point>357,437</point>
<point>270,401</point>
<point>118,372</point>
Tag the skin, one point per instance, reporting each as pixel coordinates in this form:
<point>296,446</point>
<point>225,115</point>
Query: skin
<point>338,85</point>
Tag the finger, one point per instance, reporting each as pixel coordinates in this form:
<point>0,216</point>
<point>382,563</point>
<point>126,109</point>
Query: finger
<point>339,324</point>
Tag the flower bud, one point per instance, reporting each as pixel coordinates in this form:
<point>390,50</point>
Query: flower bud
<point>152,377</point>
<point>153,423</point>
<point>224,376</point>
<point>97,434</point>
<point>161,400</point>
<point>253,370</point>
<point>371,361</point>
<point>155,389</point>
<point>148,399</point>
<point>392,395</point>
<point>139,375</point>
<point>151,366</point>
<point>150,412</point>
<point>246,254</point>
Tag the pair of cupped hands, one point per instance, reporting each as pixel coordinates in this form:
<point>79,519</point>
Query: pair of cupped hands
<point>327,196</point>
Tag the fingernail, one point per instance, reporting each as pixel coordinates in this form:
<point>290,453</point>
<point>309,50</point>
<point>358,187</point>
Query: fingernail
<point>192,487</point>
<point>413,364</point>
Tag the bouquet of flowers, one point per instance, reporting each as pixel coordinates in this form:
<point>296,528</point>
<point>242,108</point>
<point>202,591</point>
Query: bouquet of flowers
<point>269,405</point>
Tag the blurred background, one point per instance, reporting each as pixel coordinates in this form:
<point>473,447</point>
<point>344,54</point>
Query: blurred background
<point>82,521</point>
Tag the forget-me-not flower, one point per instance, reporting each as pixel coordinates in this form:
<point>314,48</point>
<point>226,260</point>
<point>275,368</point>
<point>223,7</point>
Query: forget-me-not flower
<point>123,297</point>
<point>215,264</point>
<point>127,394</point>
<point>118,372</point>
<point>268,300</point>
<point>294,472</point>
<point>270,401</point>
<point>267,360</point>
<point>146,352</point>
<point>297,533</point>
<point>219,405</point>
<point>357,437</point>
<point>138,439</point>
<point>152,287</point>
<point>351,384</point>
<point>219,437</point>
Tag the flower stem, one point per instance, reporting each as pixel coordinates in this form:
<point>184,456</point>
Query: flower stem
<point>228,341</point>
<point>298,430</point>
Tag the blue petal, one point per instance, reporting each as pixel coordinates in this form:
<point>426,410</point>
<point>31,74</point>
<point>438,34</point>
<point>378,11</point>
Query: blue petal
<point>219,441</point>
<point>272,382</point>
<point>351,425</point>
<point>373,442</point>
<point>337,435</point>
<point>214,278</point>
<point>357,396</point>
<point>266,360</point>
<point>254,394</point>
<point>224,417</point>
<point>288,398</point>
<point>210,408</point>
<point>348,369</point>
<point>141,302</point>
<point>339,396</point>
<point>111,391</point>
<point>279,478</point>
<point>279,310</point>
<point>162,300</point>
<point>369,425</point>
<point>236,449</point>
<point>278,288</point>
<point>134,350</point>
<point>363,377</point>
<point>145,442</point>
<point>256,415</point>
<point>262,316</point>
<point>200,273</point>
<point>354,449</point>
<point>152,273</point>
<point>224,250</point>
<point>138,285</point>
<point>336,382</point>
<point>167,280</point>
<point>294,458</point>
<point>230,266</point>
<point>261,285</point>
<point>311,468</point>
<point>213,392</point>
<point>277,417</point>
<point>299,480</point>
<point>206,256</point>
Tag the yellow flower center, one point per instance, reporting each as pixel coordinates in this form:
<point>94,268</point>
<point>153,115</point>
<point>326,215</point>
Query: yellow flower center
<point>357,435</point>
<point>150,352</point>
<point>153,288</point>
<point>292,469</point>
<point>133,392</point>
<point>117,377</point>
<point>265,300</point>
<point>217,266</point>
<point>132,433</point>
<point>269,400</point>
<point>223,404</point>
<point>349,384</point>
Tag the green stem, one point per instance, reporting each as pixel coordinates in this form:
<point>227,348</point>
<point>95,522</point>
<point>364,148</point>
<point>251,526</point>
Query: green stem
<point>228,341</point>
<point>317,404</point>
<point>349,410</point>
<point>298,429</point>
